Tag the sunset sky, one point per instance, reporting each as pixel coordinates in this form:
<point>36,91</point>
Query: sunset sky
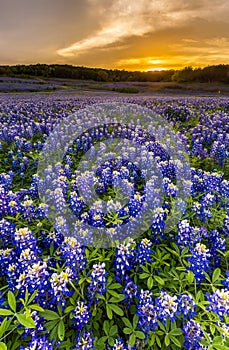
<point>117,34</point>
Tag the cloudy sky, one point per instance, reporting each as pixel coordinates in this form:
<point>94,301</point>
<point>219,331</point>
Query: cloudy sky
<point>117,34</point>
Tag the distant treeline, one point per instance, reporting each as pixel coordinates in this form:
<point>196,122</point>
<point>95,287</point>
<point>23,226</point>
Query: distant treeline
<point>210,74</point>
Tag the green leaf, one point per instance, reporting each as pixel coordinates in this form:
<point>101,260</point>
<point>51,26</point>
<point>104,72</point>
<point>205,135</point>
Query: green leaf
<point>54,333</point>
<point>11,301</point>
<point>132,339</point>
<point>199,296</point>
<point>144,275</point>
<point>6,312</point>
<point>36,307</point>
<point>50,325</point>
<point>151,340</point>
<point>150,282</point>
<point>27,322</point>
<point>135,321</point>
<point>49,315</point>
<point>3,346</point>
<point>190,277</point>
<point>113,330</point>
<point>127,330</point>
<point>127,322</point>
<point>217,341</point>
<point>158,341</point>
<point>167,340</point>
<point>175,341</point>
<point>4,325</point>
<point>216,274</point>
<point>61,330</point>
<point>111,341</point>
<point>140,335</point>
<point>161,326</point>
<point>117,309</point>
<point>114,294</point>
<point>121,297</point>
<point>33,296</point>
<point>115,286</point>
<point>69,309</point>
<point>175,331</point>
<point>109,312</point>
<point>59,308</point>
<point>101,341</point>
<point>106,327</point>
<point>159,280</point>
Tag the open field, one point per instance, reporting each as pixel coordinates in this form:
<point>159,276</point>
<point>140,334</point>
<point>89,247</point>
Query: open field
<point>16,84</point>
<point>163,284</point>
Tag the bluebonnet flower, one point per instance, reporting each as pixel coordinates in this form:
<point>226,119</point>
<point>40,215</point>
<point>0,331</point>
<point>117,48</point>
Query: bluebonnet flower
<point>7,229</point>
<point>59,199</point>
<point>24,238</point>
<point>76,203</point>
<point>143,252</point>
<point>219,302</point>
<point>56,238</point>
<point>119,345</point>
<point>169,188</point>
<point>147,312</point>
<point>28,210</point>
<point>42,211</point>
<point>3,200</point>
<point>123,261</point>
<point>39,343</point>
<point>130,291</point>
<point>193,335</point>
<point>226,281</point>
<point>135,204</point>
<point>74,255</point>
<point>59,285</point>
<point>34,277</point>
<point>33,190</point>
<point>6,180</point>
<point>188,236</point>
<point>167,306</point>
<point>224,330</point>
<point>186,306</point>
<point>216,243</point>
<point>7,255</point>
<point>97,284</point>
<point>95,218</point>
<point>218,152</point>
<point>27,257</point>
<point>62,183</point>
<point>199,261</point>
<point>61,226</point>
<point>80,316</point>
<point>14,205</point>
<point>201,211</point>
<point>84,341</point>
<point>158,224</point>
<point>225,227</point>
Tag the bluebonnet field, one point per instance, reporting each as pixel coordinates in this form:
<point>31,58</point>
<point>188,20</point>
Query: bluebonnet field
<point>163,290</point>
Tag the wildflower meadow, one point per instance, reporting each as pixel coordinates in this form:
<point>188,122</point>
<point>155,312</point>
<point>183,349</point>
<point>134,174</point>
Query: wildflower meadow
<point>114,222</point>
